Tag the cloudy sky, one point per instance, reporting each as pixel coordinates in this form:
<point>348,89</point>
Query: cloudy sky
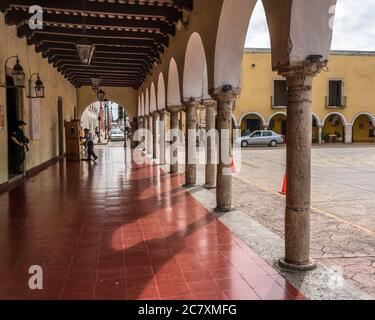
<point>354,27</point>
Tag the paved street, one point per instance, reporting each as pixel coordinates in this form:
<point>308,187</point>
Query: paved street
<point>343,201</point>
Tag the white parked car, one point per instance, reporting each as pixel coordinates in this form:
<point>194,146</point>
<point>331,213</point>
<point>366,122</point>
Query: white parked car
<point>116,135</point>
<point>260,137</point>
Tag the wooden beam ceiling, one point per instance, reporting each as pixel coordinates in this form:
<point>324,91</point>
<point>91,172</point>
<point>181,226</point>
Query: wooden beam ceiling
<point>129,35</point>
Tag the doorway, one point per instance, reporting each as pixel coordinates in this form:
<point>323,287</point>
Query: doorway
<point>60,126</point>
<point>13,115</point>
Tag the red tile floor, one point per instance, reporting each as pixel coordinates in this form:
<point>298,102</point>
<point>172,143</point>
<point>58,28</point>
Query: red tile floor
<point>108,231</point>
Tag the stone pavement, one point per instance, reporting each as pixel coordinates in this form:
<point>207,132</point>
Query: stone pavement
<point>343,198</point>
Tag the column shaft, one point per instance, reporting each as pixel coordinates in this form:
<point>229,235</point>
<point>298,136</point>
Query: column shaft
<point>191,140</point>
<point>162,147</point>
<point>298,168</point>
<point>210,172</point>
<point>174,127</point>
<point>224,173</point>
<point>155,118</point>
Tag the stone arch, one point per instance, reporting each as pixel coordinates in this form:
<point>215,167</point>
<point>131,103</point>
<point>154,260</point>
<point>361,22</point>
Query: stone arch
<point>334,131</point>
<point>147,102</point>
<point>161,96</point>
<point>363,127</point>
<point>282,113</point>
<point>195,70</point>
<point>173,91</point>
<point>230,40</point>
<point>342,117</point>
<point>142,104</point>
<point>297,30</point>
<point>259,115</point>
<point>368,114</point>
<point>317,119</point>
<point>153,101</point>
<point>139,112</point>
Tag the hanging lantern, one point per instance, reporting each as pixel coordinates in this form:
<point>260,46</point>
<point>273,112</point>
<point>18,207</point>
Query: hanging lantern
<point>36,91</point>
<point>85,50</point>
<point>18,75</point>
<point>95,81</point>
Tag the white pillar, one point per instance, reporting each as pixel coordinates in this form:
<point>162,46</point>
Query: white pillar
<point>348,133</point>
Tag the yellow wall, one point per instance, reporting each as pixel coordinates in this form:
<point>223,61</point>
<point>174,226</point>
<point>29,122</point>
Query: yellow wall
<point>356,70</point>
<point>55,85</point>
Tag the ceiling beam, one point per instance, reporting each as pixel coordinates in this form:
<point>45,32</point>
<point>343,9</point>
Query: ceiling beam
<point>170,13</point>
<point>17,17</point>
<point>25,31</point>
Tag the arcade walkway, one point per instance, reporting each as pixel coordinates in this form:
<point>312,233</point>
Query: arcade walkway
<point>118,231</point>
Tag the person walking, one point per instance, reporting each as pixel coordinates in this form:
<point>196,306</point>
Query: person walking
<point>90,145</point>
<point>18,147</point>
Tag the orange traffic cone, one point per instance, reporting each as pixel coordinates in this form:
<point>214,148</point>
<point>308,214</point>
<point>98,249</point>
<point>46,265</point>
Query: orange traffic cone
<point>233,167</point>
<point>283,191</point>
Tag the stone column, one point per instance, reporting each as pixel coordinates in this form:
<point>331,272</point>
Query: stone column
<point>155,120</point>
<point>191,142</point>
<point>145,129</point>
<point>162,148</point>
<point>348,133</point>
<point>210,172</point>
<point>174,125</point>
<point>224,98</point>
<point>150,135</point>
<point>320,132</point>
<point>298,165</point>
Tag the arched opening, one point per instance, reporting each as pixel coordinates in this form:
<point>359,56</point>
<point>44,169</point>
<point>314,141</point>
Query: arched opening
<point>278,123</point>
<point>363,129</point>
<point>153,102</point>
<point>195,84</point>
<point>315,129</point>
<point>334,129</point>
<point>107,121</point>
<point>251,122</point>
<point>173,91</point>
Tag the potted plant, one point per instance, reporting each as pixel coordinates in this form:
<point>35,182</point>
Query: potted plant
<point>324,137</point>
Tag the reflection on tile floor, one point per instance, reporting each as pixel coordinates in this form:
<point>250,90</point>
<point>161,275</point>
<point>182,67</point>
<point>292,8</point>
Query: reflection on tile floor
<point>118,231</point>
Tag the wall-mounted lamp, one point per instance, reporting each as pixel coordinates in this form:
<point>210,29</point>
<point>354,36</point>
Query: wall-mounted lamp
<point>101,95</point>
<point>36,90</point>
<point>18,75</point>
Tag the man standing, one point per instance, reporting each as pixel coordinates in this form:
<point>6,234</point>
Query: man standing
<point>90,145</point>
<point>17,147</point>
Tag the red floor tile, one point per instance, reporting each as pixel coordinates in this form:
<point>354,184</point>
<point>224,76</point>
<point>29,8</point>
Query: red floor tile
<point>131,233</point>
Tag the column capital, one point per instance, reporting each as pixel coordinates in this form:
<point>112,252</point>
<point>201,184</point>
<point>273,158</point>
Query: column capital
<point>154,114</point>
<point>312,66</point>
<point>191,103</point>
<point>175,109</point>
<point>210,103</point>
<point>162,112</point>
<point>225,94</point>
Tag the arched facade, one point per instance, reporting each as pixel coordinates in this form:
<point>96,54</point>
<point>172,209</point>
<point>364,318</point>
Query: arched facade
<point>252,121</point>
<point>195,71</point>
<point>173,91</point>
<point>363,127</point>
<point>153,101</point>
<point>334,128</point>
<point>161,96</point>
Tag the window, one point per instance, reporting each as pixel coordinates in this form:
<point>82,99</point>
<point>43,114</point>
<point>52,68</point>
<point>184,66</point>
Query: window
<point>256,134</point>
<point>280,93</point>
<point>335,94</point>
<point>267,134</point>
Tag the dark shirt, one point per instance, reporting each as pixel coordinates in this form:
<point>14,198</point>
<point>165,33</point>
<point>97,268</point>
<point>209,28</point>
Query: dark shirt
<point>20,136</point>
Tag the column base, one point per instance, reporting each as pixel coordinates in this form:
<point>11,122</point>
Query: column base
<point>223,210</point>
<point>189,185</point>
<point>311,265</point>
<point>209,186</point>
